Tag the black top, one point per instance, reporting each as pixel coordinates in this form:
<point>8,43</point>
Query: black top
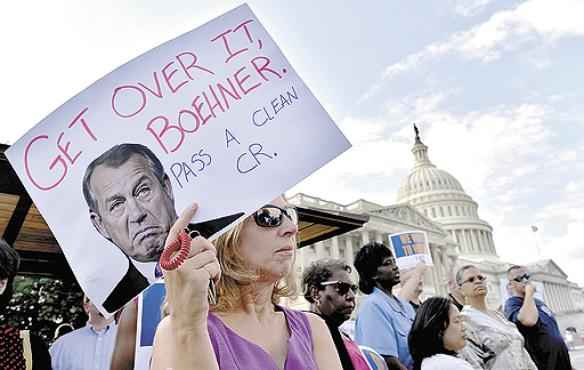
<point>339,344</point>
<point>543,341</point>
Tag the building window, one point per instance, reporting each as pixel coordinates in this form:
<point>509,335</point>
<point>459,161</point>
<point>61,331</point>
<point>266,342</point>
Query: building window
<point>456,210</point>
<point>426,212</point>
<point>449,211</point>
<point>433,213</point>
<point>441,211</point>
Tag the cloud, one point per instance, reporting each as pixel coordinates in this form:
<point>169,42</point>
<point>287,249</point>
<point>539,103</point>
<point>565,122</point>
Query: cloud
<point>531,23</point>
<point>469,8</point>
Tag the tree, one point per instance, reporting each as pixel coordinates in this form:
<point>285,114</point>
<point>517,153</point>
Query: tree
<point>40,304</point>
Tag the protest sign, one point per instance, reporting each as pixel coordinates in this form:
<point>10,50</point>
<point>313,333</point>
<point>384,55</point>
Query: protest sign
<point>410,248</point>
<point>216,116</point>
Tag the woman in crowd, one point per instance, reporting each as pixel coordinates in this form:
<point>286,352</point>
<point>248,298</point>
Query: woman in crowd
<point>489,328</point>
<point>328,286</point>
<point>382,311</point>
<point>246,328</point>
<point>436,336</point>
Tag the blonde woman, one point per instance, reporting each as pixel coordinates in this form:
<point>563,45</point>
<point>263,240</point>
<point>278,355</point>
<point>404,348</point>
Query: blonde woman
<point>246,329</point>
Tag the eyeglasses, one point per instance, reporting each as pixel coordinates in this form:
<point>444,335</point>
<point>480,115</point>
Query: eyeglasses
<point>273,216</point>
<point>472,279</point>
<point>523,278</point>
<point>341,287</point>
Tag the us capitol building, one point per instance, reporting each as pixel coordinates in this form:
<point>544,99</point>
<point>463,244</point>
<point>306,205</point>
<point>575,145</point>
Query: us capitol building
<point>434,201</point>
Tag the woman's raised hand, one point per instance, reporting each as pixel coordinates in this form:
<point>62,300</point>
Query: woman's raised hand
<point>187,286</point>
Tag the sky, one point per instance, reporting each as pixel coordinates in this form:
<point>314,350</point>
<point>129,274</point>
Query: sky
<point>495,87</point>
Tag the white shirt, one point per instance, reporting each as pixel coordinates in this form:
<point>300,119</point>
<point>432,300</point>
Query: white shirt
<point>445,362</point>
<point>84,349</point>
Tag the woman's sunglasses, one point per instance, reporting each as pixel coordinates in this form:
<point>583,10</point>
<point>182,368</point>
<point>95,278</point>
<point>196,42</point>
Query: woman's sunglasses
<point>341,287</point>
<point>273,216</point>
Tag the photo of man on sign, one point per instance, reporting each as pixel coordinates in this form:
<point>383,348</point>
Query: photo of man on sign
<point>131,204</point>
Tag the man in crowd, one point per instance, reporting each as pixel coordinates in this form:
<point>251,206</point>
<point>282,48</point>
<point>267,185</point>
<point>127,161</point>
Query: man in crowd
<point>131,204</point>
<point>536,322</point>
<point>90,347</point>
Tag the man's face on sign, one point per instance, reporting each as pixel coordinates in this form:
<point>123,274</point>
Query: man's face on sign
<point>134,209</point>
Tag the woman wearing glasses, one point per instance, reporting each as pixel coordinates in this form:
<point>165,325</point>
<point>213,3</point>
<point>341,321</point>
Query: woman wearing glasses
<point>500,345</point>
<point>246,328</point>
<point>328,286</point>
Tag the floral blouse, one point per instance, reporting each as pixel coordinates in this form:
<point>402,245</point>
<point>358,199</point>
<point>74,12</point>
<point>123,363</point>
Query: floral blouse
<point>493,342</point>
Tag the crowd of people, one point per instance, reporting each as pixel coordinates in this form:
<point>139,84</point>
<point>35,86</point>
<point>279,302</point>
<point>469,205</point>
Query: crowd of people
<point>247,327</point>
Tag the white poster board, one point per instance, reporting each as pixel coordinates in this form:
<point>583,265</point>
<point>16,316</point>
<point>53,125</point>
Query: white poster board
<point>410,248</point>
<point>217,115</point>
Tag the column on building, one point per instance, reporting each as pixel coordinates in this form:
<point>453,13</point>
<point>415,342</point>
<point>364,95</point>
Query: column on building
<point>319,249</point>
<point>564,297</point>
<point>560,296</point>
<point>335,247</point>
<point>492,243</point>
<point>442,271</point>
<point>434,271</point>
<point>349,250</point>
<point>471,241</point>
<point>469,246</point>
<point>364,237</point>
<point>379,237</point>
<point>485,237</point>
<point>477,240</point>
<point>557,297</point>
<point>552,297</point>
<point>460,241</point>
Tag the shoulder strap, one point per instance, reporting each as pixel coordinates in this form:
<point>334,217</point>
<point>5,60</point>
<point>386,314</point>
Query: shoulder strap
<point>26,348</point>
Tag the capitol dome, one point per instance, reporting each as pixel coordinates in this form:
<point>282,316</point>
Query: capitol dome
<point>441,197</point>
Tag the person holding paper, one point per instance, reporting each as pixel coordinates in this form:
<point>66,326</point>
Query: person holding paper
<point>131,204</point>
<point>252,265</point>
<point>412,285</point>
<point>384,320</point>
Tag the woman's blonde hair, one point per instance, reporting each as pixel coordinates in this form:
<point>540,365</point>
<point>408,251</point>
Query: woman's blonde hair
<point>236,274</point>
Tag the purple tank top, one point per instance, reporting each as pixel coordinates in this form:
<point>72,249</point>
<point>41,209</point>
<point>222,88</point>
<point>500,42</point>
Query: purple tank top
<point>236,353</point>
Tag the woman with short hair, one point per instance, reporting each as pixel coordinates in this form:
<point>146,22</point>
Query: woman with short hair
<point>330,290</point>
<point>436,336</point>
<point>384,320</point>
